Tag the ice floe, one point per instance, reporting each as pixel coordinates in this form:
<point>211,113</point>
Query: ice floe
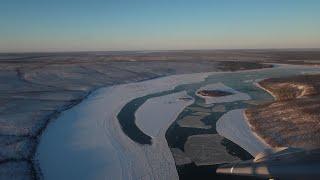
<point>193,121</point>
<point>180,157</point>
<point>207,149</point>
<point>156,115</point>
<point>219,108</point>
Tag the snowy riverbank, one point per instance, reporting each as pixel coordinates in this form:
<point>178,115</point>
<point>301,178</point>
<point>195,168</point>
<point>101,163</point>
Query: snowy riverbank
<point>234,126</point>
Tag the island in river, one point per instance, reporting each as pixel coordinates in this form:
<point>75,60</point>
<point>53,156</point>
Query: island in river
<point>213,93</point>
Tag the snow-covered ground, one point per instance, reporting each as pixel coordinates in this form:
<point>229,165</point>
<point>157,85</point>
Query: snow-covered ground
<point>234,126</point>
<point>87,142</point>
<point>236,96</point>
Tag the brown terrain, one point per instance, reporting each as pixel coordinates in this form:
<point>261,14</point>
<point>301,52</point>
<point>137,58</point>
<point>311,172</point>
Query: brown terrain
<point>293,120</point>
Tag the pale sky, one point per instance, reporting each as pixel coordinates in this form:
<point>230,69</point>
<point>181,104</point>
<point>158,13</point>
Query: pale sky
<point>103,25</point>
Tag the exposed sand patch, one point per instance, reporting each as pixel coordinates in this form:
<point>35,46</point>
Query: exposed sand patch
<point>234,126</point>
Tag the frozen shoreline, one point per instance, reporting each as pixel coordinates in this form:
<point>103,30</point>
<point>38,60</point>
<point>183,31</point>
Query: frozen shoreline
<point>257,84</point>
<point>87,141</point>
<point>234,126</point>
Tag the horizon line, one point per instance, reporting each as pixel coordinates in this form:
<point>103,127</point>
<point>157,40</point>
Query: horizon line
<point>155,50</point>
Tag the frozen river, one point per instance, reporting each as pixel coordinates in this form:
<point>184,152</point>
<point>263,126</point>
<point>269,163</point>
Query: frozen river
<point>121,132</point>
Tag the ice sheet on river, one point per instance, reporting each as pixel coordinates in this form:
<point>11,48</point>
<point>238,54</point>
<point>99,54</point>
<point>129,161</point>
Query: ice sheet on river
<point>156,115</point>
<point>87,142</point>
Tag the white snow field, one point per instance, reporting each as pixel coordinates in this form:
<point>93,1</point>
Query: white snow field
<point>236,96</point>
<point>87,142</point>
<point>234,126</point>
